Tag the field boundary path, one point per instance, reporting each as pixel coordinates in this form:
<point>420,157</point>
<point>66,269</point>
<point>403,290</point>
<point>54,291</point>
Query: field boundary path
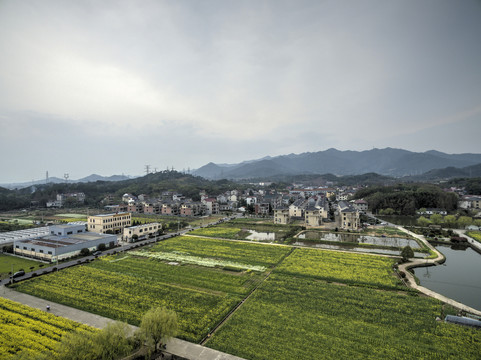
<point>175,346</point>
<point>219,325</point>
<point>430,262</point>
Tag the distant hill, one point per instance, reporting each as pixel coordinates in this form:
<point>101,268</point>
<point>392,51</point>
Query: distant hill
<point>450,172</point>
<point>387,162</point>
<point>56,180</point>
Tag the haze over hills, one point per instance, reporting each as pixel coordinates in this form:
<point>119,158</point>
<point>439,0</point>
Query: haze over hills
<point>388,162</point>
<point>56,180</point>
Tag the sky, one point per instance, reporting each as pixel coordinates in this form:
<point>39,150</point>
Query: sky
<point>108,87</point>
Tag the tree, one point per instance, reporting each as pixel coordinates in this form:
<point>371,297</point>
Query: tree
<point>422,221</point>
<point>464,221</point>
<point>436,219</point>
<point>101,247</point>
<point>112,342</point>
<point>158,324</point>
<point>84,252</point>
<point>450,220</point>
<point>407,253</point>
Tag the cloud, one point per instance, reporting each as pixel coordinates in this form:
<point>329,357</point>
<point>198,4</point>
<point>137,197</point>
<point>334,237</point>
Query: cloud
<point>228,81</point>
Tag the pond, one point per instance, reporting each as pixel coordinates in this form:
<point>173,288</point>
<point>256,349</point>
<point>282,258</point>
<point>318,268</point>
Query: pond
<point>261,236</point>
<point>360,239</point>
<point>459,278</point>
<point>393,252</point>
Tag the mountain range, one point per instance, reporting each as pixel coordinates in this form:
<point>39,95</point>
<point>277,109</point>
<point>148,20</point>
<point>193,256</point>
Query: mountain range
<point>388,162</point>
<point>56,180</point>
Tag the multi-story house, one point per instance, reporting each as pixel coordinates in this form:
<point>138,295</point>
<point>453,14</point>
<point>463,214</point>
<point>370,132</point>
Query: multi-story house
<point>262,209</point>
<point>312,217</point>
<point>281,216</point>
<point>297,208</point>
<point>348,216</point>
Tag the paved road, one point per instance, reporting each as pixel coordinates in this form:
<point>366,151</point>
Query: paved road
<point>175,346</point>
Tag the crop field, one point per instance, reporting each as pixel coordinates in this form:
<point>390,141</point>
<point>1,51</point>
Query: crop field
<point>125,286</point>
<point>127,296</point>
<point>349,268</point>
<point>292,317</point>
<point>238,229</point>
<point>31,330</point>
<point>315,303</point>
<point>239,252</point>
<point>220,232</point>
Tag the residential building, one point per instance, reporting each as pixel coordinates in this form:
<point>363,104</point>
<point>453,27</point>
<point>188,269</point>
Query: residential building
<point>211,206</point>
<point>349,218</point>
<point>262,209</point>
<point>360,205</point>
<point>113,223</point>
<point>281,216</point>
<point>297,208</point>
<point>312,217</point>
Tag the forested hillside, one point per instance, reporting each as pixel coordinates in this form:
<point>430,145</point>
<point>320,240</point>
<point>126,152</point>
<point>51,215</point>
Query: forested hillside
<point>405,199</point>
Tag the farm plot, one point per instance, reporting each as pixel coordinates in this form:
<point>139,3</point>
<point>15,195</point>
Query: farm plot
<point>238,252</point>
<point>124,287</point>
<point>31,330</point>
<point>127,297</point>
<point>343,267</point>
<point>292,317</point>
<point>243,229</point>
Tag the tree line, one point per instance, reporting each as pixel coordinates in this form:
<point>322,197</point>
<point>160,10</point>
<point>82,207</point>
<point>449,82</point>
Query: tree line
<point>405,199</point>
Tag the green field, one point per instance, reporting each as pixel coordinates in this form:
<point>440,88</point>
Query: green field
<point>6,262</point>
<point>241,252</point>
<point>316,304</point>
<point>238,229</point>
<point>298,318</point>
<point>33,331</point>
<point>125,286</point>
<point>346,268</point>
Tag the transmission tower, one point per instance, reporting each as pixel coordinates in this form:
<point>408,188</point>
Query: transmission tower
<point>66,176</point>
<point>147,169</point>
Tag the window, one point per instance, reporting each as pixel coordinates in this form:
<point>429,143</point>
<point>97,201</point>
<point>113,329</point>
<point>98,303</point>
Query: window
<point>50,253</point>
<point>17,246</point>
<point>33,249</point>
<point>69,233</point>
<point>41,251</point>
<point>24,248</point>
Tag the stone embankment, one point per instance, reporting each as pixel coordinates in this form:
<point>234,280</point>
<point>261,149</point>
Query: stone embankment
<point>430,262</point>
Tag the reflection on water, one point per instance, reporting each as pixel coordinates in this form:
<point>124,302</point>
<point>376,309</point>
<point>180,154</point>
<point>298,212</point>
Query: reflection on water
<point>459,278</point>
<point>261,236</point>
<point>361,239</point>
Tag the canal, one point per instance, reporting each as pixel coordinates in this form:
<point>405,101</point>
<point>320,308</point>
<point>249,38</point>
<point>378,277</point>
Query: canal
<point>459,278</point>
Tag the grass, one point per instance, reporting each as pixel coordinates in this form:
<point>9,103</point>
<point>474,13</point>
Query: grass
<point>6,262</point>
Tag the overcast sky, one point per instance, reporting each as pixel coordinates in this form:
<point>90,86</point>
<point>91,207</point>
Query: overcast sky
<point>107,87</point>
